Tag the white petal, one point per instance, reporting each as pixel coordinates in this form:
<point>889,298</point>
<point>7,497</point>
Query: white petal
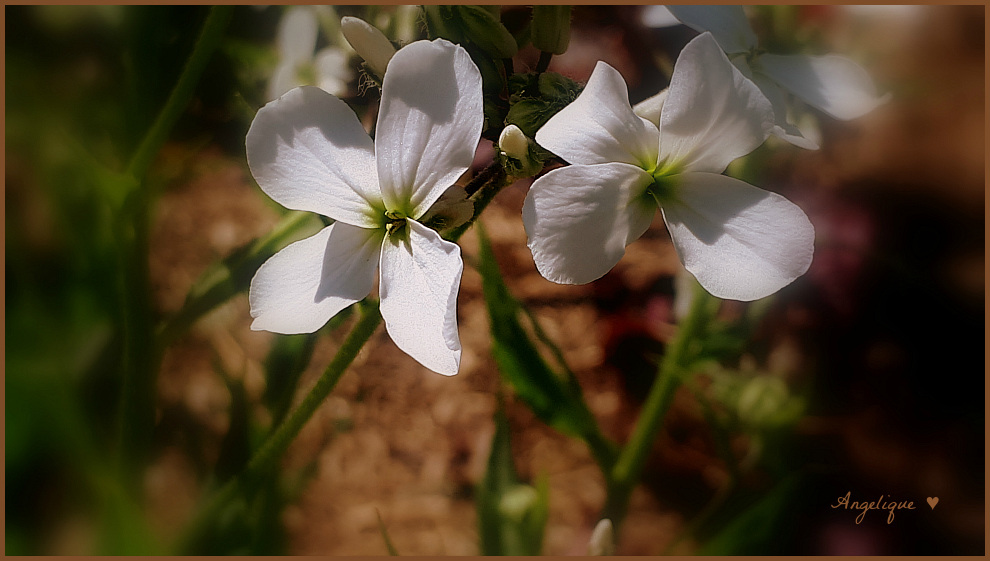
<point>778,100</point>
<point>283,79</point>
<point>727,23</point>
<point>296,34</point>
<point>836,85</point>
<point>600,126</point>
<point>429,124</point>
<point>651,107</point>
<point>712,114</point>
<point>579,219</point>
<point>740,242</point>
<point>658,16</point>
<point>308,151</point>
<point>420,276</point>
<point>333,70</point>
<point>301,287</point>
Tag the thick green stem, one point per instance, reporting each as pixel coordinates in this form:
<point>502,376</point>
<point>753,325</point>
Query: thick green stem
<point>140,356</point>
<point>629,466</point>
<point>277,443</point>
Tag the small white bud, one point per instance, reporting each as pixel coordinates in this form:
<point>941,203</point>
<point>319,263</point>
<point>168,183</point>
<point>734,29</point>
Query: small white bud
<point>514,143</point>
<point>602,540</point>
<point>369,43</point>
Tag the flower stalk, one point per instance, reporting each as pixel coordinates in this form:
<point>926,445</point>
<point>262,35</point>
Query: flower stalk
<point>629,466</point>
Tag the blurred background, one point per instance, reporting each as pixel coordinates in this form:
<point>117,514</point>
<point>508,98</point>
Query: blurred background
<point>866,376</point>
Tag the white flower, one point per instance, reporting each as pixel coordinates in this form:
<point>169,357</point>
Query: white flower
<point>834,84</point>
<point>740,242</point>
<point>308,152</point>
<point>295,40</point>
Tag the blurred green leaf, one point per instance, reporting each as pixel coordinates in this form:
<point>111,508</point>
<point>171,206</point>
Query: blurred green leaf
<point>384,531</point>
<point>512,516</point>
<point>233,275</point>
<point>555,400</point>
<point>757,530</point>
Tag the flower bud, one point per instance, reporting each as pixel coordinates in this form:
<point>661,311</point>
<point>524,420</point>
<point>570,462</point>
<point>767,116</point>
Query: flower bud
<point>485,30</point>
<point>514,143</point>
<point>602,540</point>
<point>551,28</point>
<point>369,43</point>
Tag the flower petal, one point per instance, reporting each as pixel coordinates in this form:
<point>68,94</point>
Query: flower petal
<point>296,34</point>
<point>740,242</point>
<point>421,274</point>
<point>600,127</point>
<point>778,100</point>
<point>301,287</point>
<point>658,16</point>
<point>308,151</point>
<point>333,70</point>
<point>429,125</point>
<point>579,219</point>
<point>836,85</point>
<point>728,24</point>
<point>651,107</point>
<point>712,114</point>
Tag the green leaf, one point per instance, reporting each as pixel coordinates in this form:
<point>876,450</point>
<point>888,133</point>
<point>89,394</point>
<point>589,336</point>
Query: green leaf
<point>511,515</point>
<point>556,401</point>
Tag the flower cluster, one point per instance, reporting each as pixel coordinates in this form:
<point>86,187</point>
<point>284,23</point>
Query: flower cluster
<point>308,151</point>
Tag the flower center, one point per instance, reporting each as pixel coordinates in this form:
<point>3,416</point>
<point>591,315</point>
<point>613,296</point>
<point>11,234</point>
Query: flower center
<point>665,182</point>
<point>394,221</point>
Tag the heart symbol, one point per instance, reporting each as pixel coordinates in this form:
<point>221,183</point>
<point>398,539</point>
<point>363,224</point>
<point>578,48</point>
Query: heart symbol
<point>932,501</point>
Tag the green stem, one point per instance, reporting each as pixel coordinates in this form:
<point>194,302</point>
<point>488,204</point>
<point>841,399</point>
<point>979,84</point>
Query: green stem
<point>629,465</point>
<point>544,62</point>
<point>277,443</point>
<point>495,180</point>
<point>209,39</point>
<point>140,355</point>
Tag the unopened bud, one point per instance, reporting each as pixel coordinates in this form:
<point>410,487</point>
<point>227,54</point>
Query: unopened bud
<point>551,28</point>
<point>513,143</point>
<point>369,43</point>
<point>485,30</point>
<point>602,540</point>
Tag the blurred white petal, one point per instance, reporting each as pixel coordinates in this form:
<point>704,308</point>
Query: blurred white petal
<point>658,16</point>
<point>296,34</point>
<point>835,84</point>
<point>333,70</point>
<point>728,24</point>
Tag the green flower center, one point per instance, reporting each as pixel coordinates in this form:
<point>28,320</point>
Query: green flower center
<point>664,186</point>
